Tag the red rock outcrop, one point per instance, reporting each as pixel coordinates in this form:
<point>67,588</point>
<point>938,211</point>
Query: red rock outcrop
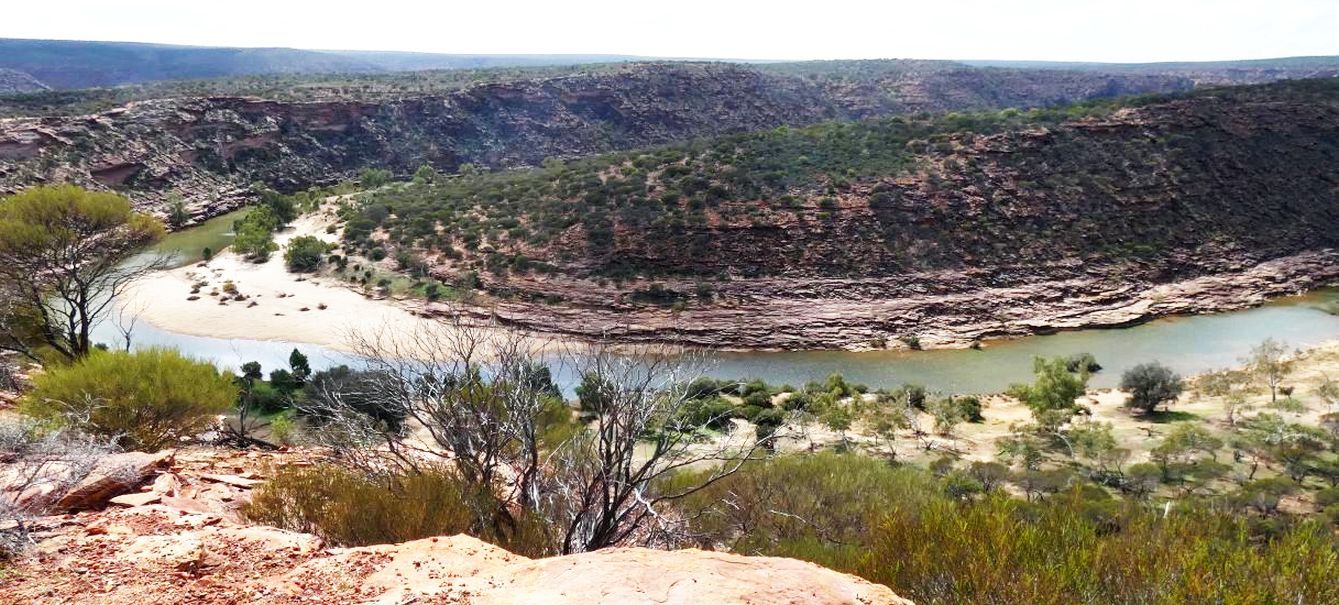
<point>180,542</point>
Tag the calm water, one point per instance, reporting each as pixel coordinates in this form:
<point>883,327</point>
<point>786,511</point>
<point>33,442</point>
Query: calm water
<point>188,245</point>
<point>1187,344</point>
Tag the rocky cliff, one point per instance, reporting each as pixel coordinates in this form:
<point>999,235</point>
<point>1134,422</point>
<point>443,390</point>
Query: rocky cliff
<point>212,149</point>
<point>871,233</point>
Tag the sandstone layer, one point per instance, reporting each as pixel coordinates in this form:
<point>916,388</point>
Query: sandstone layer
<point>210,150</point>
<point>941,311</point>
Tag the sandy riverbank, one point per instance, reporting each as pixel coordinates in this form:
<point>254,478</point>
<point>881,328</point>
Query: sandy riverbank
<point>278,305</point>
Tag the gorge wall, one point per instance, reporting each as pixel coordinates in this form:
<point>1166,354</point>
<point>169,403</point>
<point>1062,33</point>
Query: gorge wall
<point>210,150</point>
<point>1214,201</point>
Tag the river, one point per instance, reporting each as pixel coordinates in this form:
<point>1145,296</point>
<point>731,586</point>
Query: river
<point>1187,344</point>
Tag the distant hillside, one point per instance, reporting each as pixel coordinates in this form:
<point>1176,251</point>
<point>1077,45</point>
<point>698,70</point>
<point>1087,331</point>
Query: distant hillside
<point>68,64</point>
<point>209,147</point>
<point>405,61</point>
<point>1254,71</point>
<point>862,88</point>
<point>15,82</point>
<point>74,64</point>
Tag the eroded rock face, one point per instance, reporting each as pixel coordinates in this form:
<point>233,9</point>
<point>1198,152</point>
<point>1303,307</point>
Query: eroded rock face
<point>211,149</point>
<point>950,309</point>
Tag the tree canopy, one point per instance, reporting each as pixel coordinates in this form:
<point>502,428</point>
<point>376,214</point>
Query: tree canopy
<point>65,254</point>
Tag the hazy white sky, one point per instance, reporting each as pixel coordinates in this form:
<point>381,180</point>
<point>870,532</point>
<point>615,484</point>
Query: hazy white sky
<point>1078,30</point>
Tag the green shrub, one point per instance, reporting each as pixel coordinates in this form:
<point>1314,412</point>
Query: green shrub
<point>714,413</point>
<point>1051,396</point>
<point>1150,385</point>
<point>347,508</point>
<point>304,254</point>
<point>1327,497</point>
<point>1082,362</point>
<point>254,237</point>
<point>148,399</point>
<point>371,178</point>
<point>760,399</point>
<point>941,541</point>
<point>282,428</point>
<point>970,408</point>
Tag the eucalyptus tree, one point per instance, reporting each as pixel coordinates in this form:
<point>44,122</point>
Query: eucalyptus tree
<point>66,254</point>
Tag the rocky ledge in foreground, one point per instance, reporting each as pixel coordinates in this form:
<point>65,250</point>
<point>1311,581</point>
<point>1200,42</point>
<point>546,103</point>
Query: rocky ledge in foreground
<point>177,541</point>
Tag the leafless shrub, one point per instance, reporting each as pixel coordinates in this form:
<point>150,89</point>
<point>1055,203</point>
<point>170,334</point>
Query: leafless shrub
<point>39,466</point>
<point>480,397</point>
<point>610,484</point>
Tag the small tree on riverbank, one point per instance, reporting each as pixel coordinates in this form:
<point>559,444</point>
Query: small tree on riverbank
<point>1269,363</point>
<point>1052,394</point>
<point>1150,385</point>
<point>305,253</point>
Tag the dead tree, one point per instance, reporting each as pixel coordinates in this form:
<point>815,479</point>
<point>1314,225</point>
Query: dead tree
<point>609,485</point>
<point>476,399</point>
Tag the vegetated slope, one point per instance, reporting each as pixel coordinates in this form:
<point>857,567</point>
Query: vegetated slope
<point>868,86</point>
<point>16,82</point>
<point>211,149</point>
<point>81,64</point>
<point>979,217</point>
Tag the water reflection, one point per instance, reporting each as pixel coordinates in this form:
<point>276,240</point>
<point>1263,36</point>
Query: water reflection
<point>1187,344</point>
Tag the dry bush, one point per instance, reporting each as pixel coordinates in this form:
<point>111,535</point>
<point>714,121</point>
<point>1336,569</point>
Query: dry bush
<point>480,399</point>
<point>349,508</point>
<point>39,466</point>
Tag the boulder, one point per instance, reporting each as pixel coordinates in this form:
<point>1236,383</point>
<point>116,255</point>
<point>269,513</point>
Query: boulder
<point>112,476</point>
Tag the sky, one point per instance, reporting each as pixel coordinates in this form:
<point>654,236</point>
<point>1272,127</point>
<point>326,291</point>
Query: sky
<point>1066,30</point>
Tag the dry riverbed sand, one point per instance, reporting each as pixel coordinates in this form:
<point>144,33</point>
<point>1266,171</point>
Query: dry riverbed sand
<point>275,304</point>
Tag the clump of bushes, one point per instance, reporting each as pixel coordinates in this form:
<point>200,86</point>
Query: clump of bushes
<point>1151,385</point>
<point>349,508</point>
<point>919,535</point>
<point>304,254</point>
<point>145,400</point>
